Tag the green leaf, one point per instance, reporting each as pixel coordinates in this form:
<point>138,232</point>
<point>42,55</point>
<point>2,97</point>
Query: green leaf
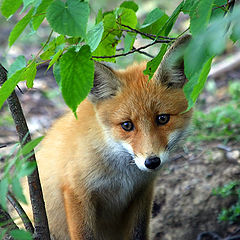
<point>195,85</point>
<point>19,27</point>
<point>99,17</point>
<point>200,16</point>
<point>26,4</point>
<point>18,64</point>
<point>126,17</point>
<point>130,4</point>
<point>27,168</point>
<point>30,73</point>
<point>77,72</point>
<point>27,148</point>
<point>189,6</point>
<point>21,235</point>
<point>69,18</point>
<point>9,7</point>
<point>218,12</point>
<point>3,192</point>
<point>40,13</point>
<point>167,27</point>
<point>56,73</point>
<point>94,36</point>
<point>3,232</point>
<point>8,87</point>
<point>55,58</point>
<point>154,21</point>
<point>18,191</point>
<point>110,39</point>
<point>235,36</point>
<point>129,41</point>
<point>53,47</point>
<point>154,63</point>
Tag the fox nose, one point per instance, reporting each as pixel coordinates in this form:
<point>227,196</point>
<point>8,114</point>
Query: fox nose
<point>152,162</point>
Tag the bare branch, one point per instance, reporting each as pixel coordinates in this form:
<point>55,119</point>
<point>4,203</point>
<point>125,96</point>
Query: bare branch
<point>151,36</point>
<point>26,221</point>
<point>145,53</point>
<point>36,196</point>
<point>20,90</point>
<point>130,52</point>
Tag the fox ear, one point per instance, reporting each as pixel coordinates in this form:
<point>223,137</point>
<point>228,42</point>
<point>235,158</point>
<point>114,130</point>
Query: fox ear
<point>171,70</point>
<point>105,84</point>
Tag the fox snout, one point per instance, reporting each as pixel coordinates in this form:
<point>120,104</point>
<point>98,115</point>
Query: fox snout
<point>152,162</point>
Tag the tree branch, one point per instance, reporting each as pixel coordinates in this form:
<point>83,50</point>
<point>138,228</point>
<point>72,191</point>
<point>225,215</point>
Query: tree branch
<point>132,51</point>
<point>26,221</point>
<point>148,35</point>
<point>36,196</point>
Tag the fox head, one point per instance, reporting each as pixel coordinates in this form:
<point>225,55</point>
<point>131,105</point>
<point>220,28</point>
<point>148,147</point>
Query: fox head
<point>144,117</point>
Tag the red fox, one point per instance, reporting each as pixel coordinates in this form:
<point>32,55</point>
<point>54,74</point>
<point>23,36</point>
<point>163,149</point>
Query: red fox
<point>98,171</point>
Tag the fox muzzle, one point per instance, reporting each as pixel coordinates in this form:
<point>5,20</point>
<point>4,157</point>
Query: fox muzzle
<point>152,162</point>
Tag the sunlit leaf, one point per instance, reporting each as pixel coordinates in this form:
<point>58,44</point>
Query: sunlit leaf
<point>17,190</point>
<point>76,71</point>
<point>21,235</point>
<point>8,87</point>
<point>200,16</point>
<point>40,13</point>
<point>27,148</point>
<point>69,18</point>
<point>94,36</point>
<point>19,27</point>
<point>18,64</point>
<point>154,21</point>
<point>30,73</point>
<point>3,192</point>
<point>9,7</point>
<point>130,4</point>
<point>196,83</point>
<point>154,63</point>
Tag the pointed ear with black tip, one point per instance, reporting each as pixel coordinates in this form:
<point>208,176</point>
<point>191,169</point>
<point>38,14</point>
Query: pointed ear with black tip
<point>171,70</point>
<point>105,85</point>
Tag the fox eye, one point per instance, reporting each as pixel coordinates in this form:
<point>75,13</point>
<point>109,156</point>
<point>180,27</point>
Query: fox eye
<point>162,119</point>
<point>127,126</point>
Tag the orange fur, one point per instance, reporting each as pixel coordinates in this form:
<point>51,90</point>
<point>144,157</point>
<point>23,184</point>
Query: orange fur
<point>92,187</point>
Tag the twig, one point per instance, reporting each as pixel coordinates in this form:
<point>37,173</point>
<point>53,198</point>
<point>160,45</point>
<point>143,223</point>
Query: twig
<point>145,53</point>
<point>224,5</point>
<point>36,196</point>
<point>26,221</point>
<point>151,36</point>
<point>3,146</point>
<point>20,90</point>
<point>130,52</point>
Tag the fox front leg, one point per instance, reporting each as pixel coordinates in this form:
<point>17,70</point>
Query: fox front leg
<point>78,219</point>
<point>141,231</point>
<point>143,211</point>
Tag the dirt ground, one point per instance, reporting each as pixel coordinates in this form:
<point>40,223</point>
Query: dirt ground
<point>184,205</point>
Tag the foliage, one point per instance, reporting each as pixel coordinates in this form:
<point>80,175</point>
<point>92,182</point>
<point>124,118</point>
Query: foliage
<point>231,214</point>
<point>15,168</point>
<point>221,122</point>
<point>78,38</point>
